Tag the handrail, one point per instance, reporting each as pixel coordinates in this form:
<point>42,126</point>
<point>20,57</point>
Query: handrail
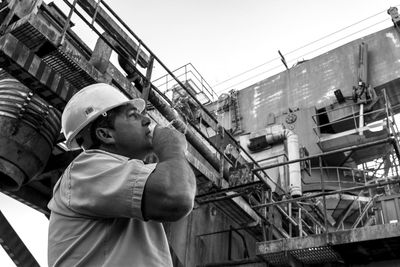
<point>386,109</point>
<point>204,85</point>
<point>354,116</point>
<point>363,212</point>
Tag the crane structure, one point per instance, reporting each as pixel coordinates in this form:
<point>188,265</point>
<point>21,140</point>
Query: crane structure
<point>299,169</point>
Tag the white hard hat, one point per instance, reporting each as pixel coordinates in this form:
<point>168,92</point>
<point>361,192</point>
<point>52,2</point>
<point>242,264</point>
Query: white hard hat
<point>88,104</point>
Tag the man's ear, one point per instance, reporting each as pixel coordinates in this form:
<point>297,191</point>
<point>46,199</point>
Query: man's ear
<point>105,135</point>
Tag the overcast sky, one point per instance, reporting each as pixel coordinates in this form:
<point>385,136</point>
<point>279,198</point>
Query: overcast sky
<point>222,39</point>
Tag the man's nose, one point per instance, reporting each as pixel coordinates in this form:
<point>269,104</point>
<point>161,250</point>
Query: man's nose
<point>145,120</point>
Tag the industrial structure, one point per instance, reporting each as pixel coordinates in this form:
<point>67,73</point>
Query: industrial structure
<point>299,169</point>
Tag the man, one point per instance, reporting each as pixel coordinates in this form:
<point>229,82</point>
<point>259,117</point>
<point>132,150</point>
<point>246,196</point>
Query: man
<point>108,206</point>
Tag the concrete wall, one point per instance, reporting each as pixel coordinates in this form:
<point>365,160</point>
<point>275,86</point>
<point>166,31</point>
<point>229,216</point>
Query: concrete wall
<point>312,83</point>
<point>192,249</point>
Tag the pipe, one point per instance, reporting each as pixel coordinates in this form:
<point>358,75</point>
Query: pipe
<point>232,188</point>
<point>277,134</point>
<point>327,193</point>
<point>294,168</point>
<point>361,119</point>
<point>170,114</point>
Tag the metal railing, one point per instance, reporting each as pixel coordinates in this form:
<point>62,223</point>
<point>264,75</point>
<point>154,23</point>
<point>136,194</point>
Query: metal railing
<point>353,115</point>
<point>364,190</point>
<point>187,73</point>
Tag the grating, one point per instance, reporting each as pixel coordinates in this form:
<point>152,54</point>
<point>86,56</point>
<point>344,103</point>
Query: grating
<point>315,255</point>
<point>29,36</point>
<point>71,71</point>
<point>33,38</point>
<point>276,259</point>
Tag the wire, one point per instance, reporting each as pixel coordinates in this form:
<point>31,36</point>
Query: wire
<point>310,52</point>
<point>240,74</point>
<point>328,35</point>
<point>297,49</point>
<point>340,39</point>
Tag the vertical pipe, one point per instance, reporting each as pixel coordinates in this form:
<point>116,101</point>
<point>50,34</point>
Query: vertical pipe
<point>354,117</point>
<point>230,243</point>
<point>300,224</point>
<point>66,26</point>
<point>294,169</point>
<point>270,213</point>
<point>323,191</point>
<point>96,11</point>
<point>290,215</point>
<point>381,213</point>
<point>264,200</point>
<point>394,162</point>
<point>361,120</point>
<point>138,53</point>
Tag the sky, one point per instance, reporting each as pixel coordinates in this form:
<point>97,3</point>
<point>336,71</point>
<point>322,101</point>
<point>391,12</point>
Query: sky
<point>233,44</point>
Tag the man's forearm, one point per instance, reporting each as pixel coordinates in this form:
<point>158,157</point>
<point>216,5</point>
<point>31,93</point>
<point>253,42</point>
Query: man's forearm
<point>177,174</point>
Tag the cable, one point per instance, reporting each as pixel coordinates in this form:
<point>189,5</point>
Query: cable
<point>297,49</point>
<point>343,37</point>
<point>252,77</point>
<point>310,52</point>
<point>328,35</point>
<point>240,74</point>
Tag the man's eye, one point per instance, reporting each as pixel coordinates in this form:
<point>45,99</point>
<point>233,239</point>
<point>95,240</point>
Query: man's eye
<point>134,115</point>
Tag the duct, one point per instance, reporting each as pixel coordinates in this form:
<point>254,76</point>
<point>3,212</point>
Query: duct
<point>277,134</point>
<point>28,129</point>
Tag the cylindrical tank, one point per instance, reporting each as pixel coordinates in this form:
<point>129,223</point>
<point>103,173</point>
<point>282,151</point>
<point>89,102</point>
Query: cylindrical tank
<point>29,128</point>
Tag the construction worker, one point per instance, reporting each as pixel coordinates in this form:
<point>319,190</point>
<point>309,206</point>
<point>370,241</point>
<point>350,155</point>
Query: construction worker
<point>108,205</point>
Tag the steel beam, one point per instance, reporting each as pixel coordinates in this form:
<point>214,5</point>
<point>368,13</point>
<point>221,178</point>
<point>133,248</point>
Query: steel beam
<point>14,246</point>
<point>24,65</point>
<point>107,23</point>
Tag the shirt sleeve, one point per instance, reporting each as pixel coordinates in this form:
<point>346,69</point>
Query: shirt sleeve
<point>105,186</point>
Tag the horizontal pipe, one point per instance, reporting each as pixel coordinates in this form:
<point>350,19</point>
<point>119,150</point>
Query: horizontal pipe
<point>215,199</point>
<point>356,188</point>
<point>233,188</point>
<point>170,114</point>
<point>228,230</point>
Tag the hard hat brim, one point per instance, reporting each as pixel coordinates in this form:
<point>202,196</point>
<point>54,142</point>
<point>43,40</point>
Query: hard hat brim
<point>138,103</point>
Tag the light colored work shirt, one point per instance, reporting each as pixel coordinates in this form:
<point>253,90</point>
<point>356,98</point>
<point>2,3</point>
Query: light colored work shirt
<point>96,217</point>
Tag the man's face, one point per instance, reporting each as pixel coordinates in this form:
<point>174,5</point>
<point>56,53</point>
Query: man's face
<point>131,133</point>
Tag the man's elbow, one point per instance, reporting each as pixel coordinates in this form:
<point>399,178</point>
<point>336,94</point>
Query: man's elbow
<point>181,207</point>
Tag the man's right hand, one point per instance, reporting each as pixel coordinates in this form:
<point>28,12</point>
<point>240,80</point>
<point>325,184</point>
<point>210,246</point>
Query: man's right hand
<point>168,143</point>
<point>170,189</point>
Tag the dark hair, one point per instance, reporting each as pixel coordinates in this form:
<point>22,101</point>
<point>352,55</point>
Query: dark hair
<point>106,121</point>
